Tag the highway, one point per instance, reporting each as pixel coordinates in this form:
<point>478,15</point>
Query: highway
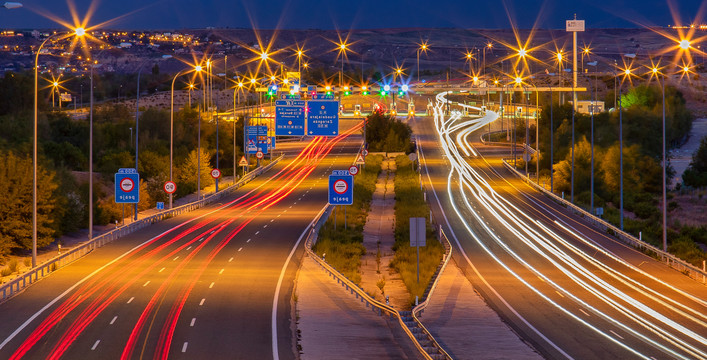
<point>567,289</point>
<point>209,284</point>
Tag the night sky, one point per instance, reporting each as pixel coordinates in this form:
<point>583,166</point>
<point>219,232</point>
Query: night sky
<point>362,14</point>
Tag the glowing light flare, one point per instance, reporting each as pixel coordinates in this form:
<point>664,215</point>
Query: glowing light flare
<point>684,44</point>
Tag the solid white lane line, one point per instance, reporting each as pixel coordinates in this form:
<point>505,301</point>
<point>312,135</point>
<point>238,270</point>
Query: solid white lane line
<point>131,300</point>
<point>202,302</point>
<point>145,284</point>
<point>230,260</point>
<point>114,319</point>
<point>95,345</point>
<point>221,272</point>
<point>212,285</point>
<point>193,320</point>
<point>161,270</point>
<point>184,347</point>
<point>239,250</point>
<point>273,317</point>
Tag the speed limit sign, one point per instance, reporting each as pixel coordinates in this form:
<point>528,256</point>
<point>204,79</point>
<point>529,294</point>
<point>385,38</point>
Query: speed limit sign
<point>215,173</point>
<point>170,187</point>
<point>259,154</point>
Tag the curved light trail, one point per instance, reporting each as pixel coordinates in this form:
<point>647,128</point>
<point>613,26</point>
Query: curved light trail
<point>656,313</point>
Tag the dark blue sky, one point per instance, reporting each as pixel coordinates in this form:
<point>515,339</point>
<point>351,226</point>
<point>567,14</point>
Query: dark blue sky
<point>336,14</point>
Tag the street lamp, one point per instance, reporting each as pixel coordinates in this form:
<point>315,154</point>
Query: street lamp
<point>585,52</point>
<point>197,69</point>
<point>422,48</point>
<point>76,32</point>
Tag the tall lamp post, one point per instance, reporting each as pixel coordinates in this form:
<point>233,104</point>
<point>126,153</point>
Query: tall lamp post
<point>197,68</point>
<point>76,32</point>
<point>422,48</point>
<point>236,91</point>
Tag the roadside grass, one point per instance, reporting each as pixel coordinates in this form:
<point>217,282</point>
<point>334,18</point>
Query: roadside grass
<point>409,202</point>
<point>344,246</point>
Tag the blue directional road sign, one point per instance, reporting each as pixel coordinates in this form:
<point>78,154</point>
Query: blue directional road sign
<point>257,139</point>
<point>289,117</point>
<point>340,188</point>
<point>160,205</point>
<point>323,118</point>
<point>127,186</point>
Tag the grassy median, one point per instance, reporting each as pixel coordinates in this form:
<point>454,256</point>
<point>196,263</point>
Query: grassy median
<point>344,246</point>
<point>409,202</point>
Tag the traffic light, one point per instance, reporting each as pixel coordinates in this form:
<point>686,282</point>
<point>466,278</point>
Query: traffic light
<point>272,90</point>
<point>328,90</point>
<point>385,91</point>
<point>364,90</point>
<point>346,91</point>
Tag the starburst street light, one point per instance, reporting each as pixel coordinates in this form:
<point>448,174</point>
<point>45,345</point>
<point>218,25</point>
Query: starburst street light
<point>684,44</point>
<point>422,47</point>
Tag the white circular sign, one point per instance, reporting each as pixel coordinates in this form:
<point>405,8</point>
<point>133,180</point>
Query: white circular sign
<point>127,184</point>
<point>259,154</point>
<point>215,173</point>
<point>340,186</point>
<point>364,152</point>
<point>353,170</point>
<point>170,187</point>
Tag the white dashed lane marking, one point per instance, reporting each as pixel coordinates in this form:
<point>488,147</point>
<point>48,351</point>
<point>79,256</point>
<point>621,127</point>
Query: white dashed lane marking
<point>95,345</point>
<point>212,285</point>
<point>131,300</point>
<point>184,347</point>
<point>202,302</point>
<point>221,272</point>
<point>161,270</point>
<point>114,319</point>
<point>193,320</point>
<point>145,284</point>
<point>239,250</point>
<point>230,260</point>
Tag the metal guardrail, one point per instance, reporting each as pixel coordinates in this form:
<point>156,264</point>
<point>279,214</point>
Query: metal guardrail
<point>374,304</point>
<point>28,278</point>
<point>671,260</point>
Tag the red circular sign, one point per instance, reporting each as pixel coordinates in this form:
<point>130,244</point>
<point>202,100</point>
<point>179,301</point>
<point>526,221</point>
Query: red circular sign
<point>127,184</point>
<point>340,186</point>
<point>170,187</point>
<point>215,173</point>
<point>259,154</point>
<point>353,170</point>
<point>364,152</point>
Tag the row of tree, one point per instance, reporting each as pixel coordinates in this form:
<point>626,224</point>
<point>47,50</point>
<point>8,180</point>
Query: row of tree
<point>63,146</point>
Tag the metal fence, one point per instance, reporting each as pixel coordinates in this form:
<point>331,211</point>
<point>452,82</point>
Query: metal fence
<point>646,248</point>
<point>23,280</point>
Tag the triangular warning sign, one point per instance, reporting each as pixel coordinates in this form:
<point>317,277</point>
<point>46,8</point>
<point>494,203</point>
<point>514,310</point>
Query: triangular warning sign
<point>359,160</point>
<point>243,161</point>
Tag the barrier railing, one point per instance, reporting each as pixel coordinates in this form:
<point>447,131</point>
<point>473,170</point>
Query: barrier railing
<point>436,351</point>
<point>374,304</point>
<point>671,260</point>
<point>19,283</point>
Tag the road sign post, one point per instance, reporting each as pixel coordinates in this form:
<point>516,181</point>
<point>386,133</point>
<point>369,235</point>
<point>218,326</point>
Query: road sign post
<point>322,116</point>
<point>418,237</point>
<point>127,186</point>
<point>340,190</point>
<point>289,117</point>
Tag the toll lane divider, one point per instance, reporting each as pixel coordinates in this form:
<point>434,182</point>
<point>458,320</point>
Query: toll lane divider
<point>646,248</point>
<point>18,284</point>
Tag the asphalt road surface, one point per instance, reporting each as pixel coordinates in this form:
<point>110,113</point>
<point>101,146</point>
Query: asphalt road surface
<point>570,291</point>
<point>203,285</point>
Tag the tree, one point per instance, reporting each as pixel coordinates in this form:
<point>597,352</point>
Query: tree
<point>187,172</point>
<point>16,208</point>
<point>696,174</point>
